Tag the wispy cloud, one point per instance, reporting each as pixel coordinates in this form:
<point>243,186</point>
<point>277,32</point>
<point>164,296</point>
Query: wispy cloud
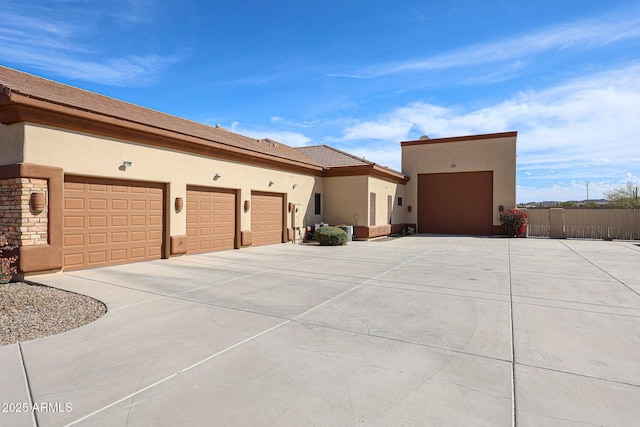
<point>51,39</point>
<point>584,129</point>
<point>293,139</point>
<point>587,34</point>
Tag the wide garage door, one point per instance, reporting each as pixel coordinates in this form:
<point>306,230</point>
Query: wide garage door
<point>110,222</point>
<point>211,219</point>
<point>266,218</point>
<point>456,203</point>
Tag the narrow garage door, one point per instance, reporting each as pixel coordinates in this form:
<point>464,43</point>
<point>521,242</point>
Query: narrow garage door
<point>456,203</point>
<point>110,222</point>
<point>266,218</point>
<point>211,219</point>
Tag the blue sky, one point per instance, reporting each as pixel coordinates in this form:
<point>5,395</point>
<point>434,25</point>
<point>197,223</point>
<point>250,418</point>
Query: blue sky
<point>364,75</point>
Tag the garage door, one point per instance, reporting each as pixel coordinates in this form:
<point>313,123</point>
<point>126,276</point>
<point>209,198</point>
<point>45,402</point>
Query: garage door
<point>456,203</point>
<point>110,222</point>
<point>266,218</point>
<point>211,219</point>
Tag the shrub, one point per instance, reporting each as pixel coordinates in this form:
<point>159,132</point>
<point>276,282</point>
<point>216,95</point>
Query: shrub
<point>331,236</point>
<point>514,221</point>
<point>7,269</point>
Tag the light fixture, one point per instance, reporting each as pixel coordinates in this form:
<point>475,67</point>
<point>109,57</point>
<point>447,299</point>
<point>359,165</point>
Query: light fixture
<point>294,186</point>
<point>37,202</point>
<point>453,165</point>
<point>126,164</point>
<point>216,176</point>
<point>271,183</point>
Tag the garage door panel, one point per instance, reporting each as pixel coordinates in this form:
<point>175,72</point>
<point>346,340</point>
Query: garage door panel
<point>94,206</point>
<point>99,257</point>
<point>74,261</point>
<point>155,252</point>
<point>119,237</point>
<point>155,234</point>
<point>97,188</point>
<point>74,240</point>
<point>138,205</point>
<point>119,221</point>
<point>74,203</point>
<point>119,205</point>
<point>456,203</point>
<point>211,219</point>
<point>98,204</point>
<point>138,253</point>
<point>73,222</point>
<point>138,220</point>
<point>97,238</point>
<point>119,189</point>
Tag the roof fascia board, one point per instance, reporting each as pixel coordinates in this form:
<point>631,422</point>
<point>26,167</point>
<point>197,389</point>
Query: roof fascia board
<point>460,138</point>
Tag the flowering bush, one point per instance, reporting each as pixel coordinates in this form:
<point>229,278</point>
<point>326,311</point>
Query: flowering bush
<point>514,221</point>
<point>7,269</point>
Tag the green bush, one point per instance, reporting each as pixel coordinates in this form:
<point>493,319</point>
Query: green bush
<point>331,236</point>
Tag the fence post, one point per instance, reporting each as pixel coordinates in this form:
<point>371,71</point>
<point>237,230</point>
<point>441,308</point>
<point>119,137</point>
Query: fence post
<point>556,223</point>
<point>526,230</point>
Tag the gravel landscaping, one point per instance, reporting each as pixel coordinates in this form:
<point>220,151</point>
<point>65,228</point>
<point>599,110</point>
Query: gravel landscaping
<point>29,311</point>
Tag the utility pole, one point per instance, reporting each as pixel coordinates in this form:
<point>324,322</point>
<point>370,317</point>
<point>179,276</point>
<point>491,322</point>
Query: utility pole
<point>587,191</point>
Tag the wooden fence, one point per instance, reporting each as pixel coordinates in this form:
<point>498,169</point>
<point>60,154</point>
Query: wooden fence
<point>621,224</point>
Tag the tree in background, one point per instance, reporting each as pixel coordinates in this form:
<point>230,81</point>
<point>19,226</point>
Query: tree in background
<point>623,197</point>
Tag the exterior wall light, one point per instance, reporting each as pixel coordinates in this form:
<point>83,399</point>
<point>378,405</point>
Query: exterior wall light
<point>247,205</point>
<point>271,183</point>
<point>294,186</point>
<point>216,176</point>
<point>126,164</point>
<point>179,204</point>
<point>36,202</point>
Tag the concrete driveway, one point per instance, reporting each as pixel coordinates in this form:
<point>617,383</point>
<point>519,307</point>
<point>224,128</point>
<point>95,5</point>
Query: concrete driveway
<point>421,330</point>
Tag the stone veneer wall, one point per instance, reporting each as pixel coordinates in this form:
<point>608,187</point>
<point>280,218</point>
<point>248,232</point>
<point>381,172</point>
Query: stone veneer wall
<point>29,228</point>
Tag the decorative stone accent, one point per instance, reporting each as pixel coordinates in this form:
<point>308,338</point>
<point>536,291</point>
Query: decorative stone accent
<point>29,228</point>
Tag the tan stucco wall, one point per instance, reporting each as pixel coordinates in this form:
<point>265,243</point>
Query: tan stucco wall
<point>11,144</point>
<point>348,196</point>
<point>82,154</point>
<point>492,154</point>
<point>344,198</point>
<point>383,189</point>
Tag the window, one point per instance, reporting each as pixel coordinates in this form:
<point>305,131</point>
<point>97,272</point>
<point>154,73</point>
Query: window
<point>372,209</point>
<point>399,201</point>
<point>318,210</point>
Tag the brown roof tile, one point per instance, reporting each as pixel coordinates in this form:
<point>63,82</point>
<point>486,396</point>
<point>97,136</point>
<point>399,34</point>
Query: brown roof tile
<point>330,157</point>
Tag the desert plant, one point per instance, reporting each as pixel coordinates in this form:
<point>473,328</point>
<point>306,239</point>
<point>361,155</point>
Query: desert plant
<point>331,236</point>
<point>514,221</point>
<point>7,269</point>
<point>623,197</point>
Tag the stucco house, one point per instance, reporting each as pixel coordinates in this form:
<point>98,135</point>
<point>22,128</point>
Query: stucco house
<point>87,181</point>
